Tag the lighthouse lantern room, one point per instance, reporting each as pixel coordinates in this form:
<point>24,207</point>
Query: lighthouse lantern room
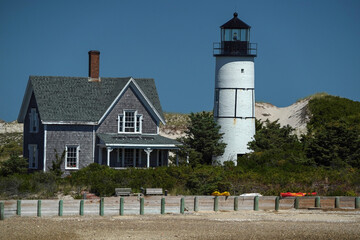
<point>234,100</point>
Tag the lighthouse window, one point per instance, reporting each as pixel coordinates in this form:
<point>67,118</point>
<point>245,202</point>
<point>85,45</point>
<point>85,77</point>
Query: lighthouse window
<point>243,36</point>
<point>242,70</point>
<point>227,35</point>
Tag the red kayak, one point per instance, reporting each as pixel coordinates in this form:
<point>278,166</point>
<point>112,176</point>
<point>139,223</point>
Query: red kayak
<point>299,194</point>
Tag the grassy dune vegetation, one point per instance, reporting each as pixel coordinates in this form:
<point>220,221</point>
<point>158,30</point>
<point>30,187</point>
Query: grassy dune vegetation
<point>325,160</point>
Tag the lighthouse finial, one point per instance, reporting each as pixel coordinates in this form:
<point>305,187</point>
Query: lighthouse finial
<point>235,14</point>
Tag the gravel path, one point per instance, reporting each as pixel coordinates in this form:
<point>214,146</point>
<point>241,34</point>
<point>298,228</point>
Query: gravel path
<point>289,224</point>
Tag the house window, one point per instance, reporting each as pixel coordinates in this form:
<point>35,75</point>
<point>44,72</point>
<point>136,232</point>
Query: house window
<point>130,122</point>
<point>33,156</point>
<point>72,157</point>
<point>34,121</point>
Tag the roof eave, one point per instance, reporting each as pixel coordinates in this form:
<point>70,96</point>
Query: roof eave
<point>149,102</point>
<point>25,102</point>
<point>133,81</point>
<point>69,123</point>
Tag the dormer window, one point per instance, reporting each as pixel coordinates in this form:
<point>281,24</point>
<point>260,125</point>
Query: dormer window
<point>34,121</point>
<point>130,122</point>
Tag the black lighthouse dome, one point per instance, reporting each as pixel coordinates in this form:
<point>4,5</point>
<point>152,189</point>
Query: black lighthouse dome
<point>235,39</point>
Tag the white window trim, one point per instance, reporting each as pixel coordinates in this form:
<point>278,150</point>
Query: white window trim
<point>31,155</point>
<point>77,156</point>
<point>34,119</point>
<point>122,127</point>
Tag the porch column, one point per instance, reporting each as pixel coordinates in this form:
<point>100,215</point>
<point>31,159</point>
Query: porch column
<point>109,150</point>
<point>148,151</point>
<point>157,157</point>
<point>100,155</point>
<point>177,158</point>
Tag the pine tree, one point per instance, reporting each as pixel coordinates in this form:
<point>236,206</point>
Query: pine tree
<point>202,139</point>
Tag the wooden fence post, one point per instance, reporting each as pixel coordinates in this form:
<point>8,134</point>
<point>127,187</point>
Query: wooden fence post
<point>18,207</point>
<point>102,206</point>
<point>82,207</point>
<point>196,204</point>
<point>256,203</point>
<point>61,203</point>
<point>317,202</point>
<point>236,204</point>
<point>357,203</point>
<point>296,204</point>
<point>162,210</point>
<point>2,214</point>
<point>182,205</point>
<point>39,208</point>
<point>121,210</point>
<point>216,203</point>
<point>337,202</point>
<point>277,203</point>
<point>142,210</point>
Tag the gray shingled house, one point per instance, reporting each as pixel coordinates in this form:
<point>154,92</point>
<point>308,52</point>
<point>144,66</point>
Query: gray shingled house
<point>110,121</point>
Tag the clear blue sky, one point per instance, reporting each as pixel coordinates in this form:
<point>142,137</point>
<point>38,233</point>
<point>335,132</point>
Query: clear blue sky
<point>304,46</point>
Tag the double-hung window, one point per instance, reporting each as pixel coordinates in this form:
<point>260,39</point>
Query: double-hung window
<point>72,157</point>
<point>33,156</point>
<point>34,121</point>
<point>130,122</point>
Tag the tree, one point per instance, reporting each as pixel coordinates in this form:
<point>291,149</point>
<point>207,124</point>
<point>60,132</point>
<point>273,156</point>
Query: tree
<point>202,139</point>
<point>335,144</point>
<point>274,145</point>
<point>14,164</point>
<point>56,165</point>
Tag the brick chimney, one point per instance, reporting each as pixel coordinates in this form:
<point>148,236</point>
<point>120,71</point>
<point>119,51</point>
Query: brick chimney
<point>94,63</point>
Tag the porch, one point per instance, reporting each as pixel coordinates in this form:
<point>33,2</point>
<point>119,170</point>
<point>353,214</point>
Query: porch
<point>143,151</point>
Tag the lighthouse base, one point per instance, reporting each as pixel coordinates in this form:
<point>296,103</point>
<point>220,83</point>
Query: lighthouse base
<point>238,133</point>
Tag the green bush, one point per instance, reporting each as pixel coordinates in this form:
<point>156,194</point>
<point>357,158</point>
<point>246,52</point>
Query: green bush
<point>14,165</point>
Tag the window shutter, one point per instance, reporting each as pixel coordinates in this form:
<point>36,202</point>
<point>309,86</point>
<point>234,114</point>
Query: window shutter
<point>36,157</point>
<point>31,154</point>
<point>36,120</point>
<point>31,121</point>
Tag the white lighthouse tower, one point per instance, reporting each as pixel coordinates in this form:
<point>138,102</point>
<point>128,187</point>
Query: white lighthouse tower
<point>234,103</point>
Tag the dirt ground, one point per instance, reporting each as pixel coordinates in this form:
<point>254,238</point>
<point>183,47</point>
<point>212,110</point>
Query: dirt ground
<point>287,224</point>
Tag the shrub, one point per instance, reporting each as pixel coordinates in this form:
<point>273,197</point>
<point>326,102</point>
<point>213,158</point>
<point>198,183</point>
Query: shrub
<point>14,165</point>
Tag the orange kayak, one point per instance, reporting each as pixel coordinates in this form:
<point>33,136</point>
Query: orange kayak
<point>299,194</point>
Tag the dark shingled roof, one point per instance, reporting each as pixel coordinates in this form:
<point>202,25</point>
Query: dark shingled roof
<point>143,139</point>
<point>77,99</point>
<point>235,23</point>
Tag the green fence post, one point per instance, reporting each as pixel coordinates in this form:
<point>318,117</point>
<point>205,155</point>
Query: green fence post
<point>81,207</point>
<point>142,210</point>
<point>182,205</point>
<point>296,204</point>
<point>256,203</point>
<point>337,202</point>
<point>121,211</point>
<point>102,206</point>
<point>196,204</point>
<point>2,214</point>
<point>277,203</point>
<point>39,208</point>
<point>18,207</point>
<point>162,210</point>
<point>317,202</point>
<point>216,203</point>
<point>357,203</point>
<point>61,203</point>
<point>236,204</point>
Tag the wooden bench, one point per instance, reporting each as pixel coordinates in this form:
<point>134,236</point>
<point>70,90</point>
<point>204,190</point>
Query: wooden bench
<point>122,191</point>
<point>153,191</point>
